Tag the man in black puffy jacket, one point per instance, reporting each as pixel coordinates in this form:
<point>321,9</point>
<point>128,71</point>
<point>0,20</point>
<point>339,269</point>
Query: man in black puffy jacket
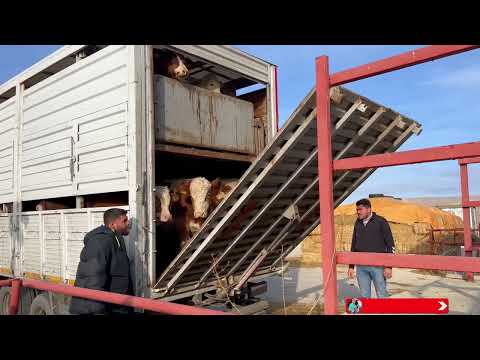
<point>104,265</point>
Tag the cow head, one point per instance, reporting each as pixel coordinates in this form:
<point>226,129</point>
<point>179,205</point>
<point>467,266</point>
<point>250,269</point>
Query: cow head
<point>163,195</point>
<point>199,192</point>
<point>177,68</point>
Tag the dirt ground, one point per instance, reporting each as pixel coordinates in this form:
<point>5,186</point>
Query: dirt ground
<point>302,286</point>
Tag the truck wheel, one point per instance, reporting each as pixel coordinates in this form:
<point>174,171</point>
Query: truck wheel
<point>4,300</point>
<point>41,305</point>
<point>26,298</point>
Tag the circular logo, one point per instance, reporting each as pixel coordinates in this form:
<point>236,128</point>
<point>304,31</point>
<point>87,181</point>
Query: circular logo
<point>354,306</point>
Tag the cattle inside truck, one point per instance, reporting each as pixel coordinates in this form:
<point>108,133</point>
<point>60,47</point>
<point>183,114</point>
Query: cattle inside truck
<point>101,126</point>
<point>90,127</point>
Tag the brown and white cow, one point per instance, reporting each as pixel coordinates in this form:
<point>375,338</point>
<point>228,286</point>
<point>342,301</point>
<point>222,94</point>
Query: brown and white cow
<point>171,65</point>
<point>162,204</point>
<point>183,208</point>
<point>50,205</point>
<point>220,189</point>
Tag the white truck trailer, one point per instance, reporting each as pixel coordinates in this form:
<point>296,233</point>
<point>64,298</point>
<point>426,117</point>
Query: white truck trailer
<point>95,126</point>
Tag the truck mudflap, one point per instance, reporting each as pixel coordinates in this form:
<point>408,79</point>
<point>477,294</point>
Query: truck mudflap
<point>276,204</point>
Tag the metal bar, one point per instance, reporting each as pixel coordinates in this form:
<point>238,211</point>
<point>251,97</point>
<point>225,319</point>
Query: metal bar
<point>251,269</point>
<point>278,239</point>
<point>14,296</point>
<point>464,185</point>
<point>265,207</point>
<point>294,138</point>
<point>197,152</point>
<point>299,239</point>
<point>467,231</point>
<point>346,116</point>
<point>473,160</point>
<point>396,144</point>
<point>410,58</point>
<point>440,153</point>
<point>269,230</point>
<point>276,98</point>
<point>7,282</point>
<point>471,204</point>
<point>428,262</point>
<point>360,132</point>
<point>371,147</point>
<point>119,299</point>
<point>325,172</point>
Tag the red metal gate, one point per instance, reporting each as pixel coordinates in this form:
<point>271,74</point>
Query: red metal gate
<point>326,167</point>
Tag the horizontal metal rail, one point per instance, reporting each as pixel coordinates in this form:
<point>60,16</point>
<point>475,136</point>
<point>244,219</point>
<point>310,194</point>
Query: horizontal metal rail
<point>401,61</point>
<point>104,296</point>
<point>427,262</point>
<point>440,153</point>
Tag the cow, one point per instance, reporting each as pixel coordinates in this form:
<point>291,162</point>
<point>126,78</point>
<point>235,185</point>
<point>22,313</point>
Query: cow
<point>211,83</point>
<point>162,204</point>
<point>50,205</point>
<point>171,65</point>
<point>193,198</point>
<point>220,189</point>
<point>182,210</point>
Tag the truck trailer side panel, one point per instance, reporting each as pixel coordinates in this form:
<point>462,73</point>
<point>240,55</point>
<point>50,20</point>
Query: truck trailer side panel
<point>7,146</point>
<point>74,129</point>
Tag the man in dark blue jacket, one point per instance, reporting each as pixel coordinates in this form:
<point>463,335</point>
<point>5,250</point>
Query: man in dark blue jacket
<point>104,265</point>
<point>371,233</point>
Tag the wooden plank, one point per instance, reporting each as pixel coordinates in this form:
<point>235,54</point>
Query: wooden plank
<point>196,152</point>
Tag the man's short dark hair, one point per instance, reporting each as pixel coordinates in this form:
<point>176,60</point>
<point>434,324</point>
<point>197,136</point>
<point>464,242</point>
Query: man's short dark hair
<point>364,202</point>
<point>113,214</point>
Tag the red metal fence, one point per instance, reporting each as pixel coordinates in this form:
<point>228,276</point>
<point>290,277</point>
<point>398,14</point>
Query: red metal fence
<point>326,167</point>
<point>159,306</point>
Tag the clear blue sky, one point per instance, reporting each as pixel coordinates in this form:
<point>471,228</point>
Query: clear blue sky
<point>441,95</point>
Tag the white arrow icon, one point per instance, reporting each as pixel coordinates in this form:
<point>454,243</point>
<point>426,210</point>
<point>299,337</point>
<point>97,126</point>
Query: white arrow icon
<point>443,307</point>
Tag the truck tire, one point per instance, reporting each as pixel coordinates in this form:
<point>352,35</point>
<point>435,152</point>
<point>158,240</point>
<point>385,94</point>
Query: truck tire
<point>26,298</point>
<point>4,300</point>
<point>41,305</point>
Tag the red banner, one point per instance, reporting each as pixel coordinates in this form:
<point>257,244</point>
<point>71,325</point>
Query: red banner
<point>396,306</point>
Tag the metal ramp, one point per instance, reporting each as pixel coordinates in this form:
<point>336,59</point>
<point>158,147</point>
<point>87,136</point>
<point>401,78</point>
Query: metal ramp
<point>276,203</point>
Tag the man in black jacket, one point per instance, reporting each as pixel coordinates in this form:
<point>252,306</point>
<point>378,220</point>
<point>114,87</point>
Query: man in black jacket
<point>371,233</point>
<point>104,265</point>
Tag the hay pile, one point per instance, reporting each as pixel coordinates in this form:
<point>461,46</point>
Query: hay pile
<point>411,226</point>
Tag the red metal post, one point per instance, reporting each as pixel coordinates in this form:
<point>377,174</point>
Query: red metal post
<point>119,299</point>
<point>14,296</point>
<point>440,153</point>
<point>325,173</point>
<point>410,58</point>
<point>467,231</point>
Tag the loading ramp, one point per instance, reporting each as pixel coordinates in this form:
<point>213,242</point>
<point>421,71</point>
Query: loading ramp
<point>276,203</point>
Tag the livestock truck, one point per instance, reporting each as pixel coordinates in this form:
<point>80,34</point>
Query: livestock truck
<point>95,126</point>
